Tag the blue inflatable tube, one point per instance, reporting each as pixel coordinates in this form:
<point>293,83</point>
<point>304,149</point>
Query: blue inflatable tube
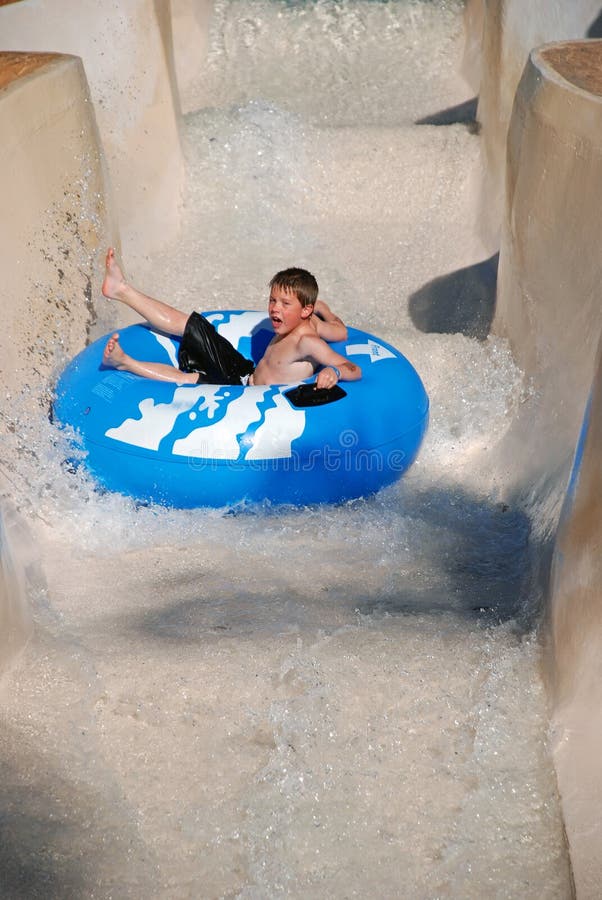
<point>218,445</point>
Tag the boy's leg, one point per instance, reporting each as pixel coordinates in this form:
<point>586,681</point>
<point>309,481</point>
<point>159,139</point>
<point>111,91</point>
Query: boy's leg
<point>158,314</point>
<point>202,349</point>
<point>115,357</point>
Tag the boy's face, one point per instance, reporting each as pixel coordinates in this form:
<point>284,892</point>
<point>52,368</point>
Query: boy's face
<point>285,310</point>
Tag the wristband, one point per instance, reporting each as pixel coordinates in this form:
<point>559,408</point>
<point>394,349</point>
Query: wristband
<point>335,370</point>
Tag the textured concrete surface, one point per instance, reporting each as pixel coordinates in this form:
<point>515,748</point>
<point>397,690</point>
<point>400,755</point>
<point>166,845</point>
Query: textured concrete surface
<point>55,218</point>
<point>548,283</point>
<point>190,21</point>
<point>507,31</point>
<point>575,651</point>
<point>126,52</point>
<point>548,304</point>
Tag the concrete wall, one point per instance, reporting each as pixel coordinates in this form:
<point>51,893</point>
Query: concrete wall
<point>474,20</point>
<point>126,51</point>
<point>509,30</point>
<point>575,653</point>
<point>190,27</point>
<point>54,225</point>
<point>541,117</point>
<point>56,216</point>
<point>548,298</point>
<point>548,304</point>
<point>16,620</point>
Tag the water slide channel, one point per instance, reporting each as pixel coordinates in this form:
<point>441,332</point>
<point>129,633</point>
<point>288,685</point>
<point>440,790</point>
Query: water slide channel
<point>339,701</point>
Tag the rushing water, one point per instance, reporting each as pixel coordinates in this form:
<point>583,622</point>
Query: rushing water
<point>340,701</point>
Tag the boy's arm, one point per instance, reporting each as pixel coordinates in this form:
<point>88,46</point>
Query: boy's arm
<point>318,351</point>
<point>328,326</point>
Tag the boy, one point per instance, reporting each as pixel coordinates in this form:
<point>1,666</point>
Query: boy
<point>297,349</point>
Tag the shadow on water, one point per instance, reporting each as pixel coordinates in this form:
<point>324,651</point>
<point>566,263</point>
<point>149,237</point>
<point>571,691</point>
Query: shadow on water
<point>475,568</point>
<point>478,563</point>
<point>461,302</point>
<point>56,835</point>
<point>462,114</point>
<point>29,873</point>
<point>595,29</point>
<point>35,832</point>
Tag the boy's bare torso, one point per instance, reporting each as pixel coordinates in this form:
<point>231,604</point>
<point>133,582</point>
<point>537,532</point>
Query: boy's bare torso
<point>283,361</point>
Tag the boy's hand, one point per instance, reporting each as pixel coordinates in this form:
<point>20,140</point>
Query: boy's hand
<point>326,377</point>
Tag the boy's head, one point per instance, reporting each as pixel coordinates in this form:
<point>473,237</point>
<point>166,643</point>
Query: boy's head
<point>299,282</point>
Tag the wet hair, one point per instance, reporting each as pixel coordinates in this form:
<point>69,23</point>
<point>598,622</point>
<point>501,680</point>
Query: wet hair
<point>298,281</point>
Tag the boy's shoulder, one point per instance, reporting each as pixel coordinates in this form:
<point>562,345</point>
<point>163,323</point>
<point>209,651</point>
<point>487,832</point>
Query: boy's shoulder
<point>308,334</point>
<point>309,340</point>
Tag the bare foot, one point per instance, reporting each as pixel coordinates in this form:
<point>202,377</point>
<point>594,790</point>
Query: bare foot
<point>114,282</point>
<point>113,355</point>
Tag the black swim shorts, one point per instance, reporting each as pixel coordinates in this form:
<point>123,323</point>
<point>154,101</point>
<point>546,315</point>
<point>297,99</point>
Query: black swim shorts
<point>205,351</point>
